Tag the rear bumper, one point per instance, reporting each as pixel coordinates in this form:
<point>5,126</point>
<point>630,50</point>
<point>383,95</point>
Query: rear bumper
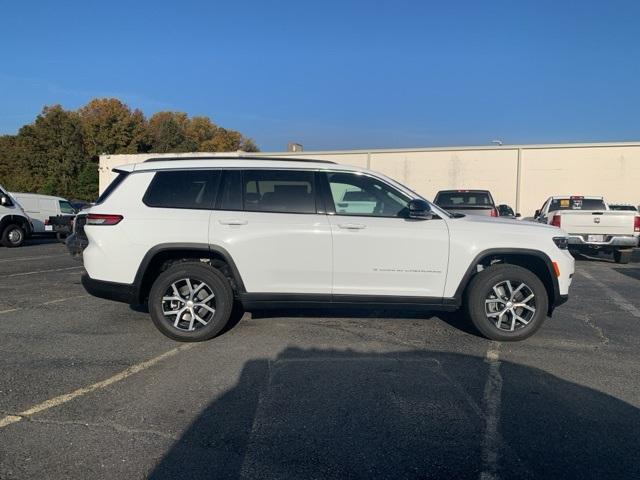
<point>610,241</point>
<point>119,292</point>
<point>76,245</point>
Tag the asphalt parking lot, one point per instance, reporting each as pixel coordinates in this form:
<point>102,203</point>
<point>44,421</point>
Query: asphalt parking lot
<point>90,389</point>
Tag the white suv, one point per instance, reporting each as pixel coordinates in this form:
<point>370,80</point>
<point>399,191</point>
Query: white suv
<point>190,236</point>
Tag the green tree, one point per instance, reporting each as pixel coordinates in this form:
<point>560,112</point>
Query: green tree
<point>109,126</point>
<point>50,151</point>
<point>167,132</point>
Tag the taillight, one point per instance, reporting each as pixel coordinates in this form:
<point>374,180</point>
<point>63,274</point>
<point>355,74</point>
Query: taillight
<point>494,212</point>
<point>103,219</point>
<point>46,221</point>
<point>555,221</point>
<point>636,224</point>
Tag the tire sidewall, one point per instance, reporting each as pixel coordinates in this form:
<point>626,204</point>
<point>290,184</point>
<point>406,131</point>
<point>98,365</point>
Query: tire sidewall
<point>484,281</point>
<point>200,272</point>
<point>5,236</point>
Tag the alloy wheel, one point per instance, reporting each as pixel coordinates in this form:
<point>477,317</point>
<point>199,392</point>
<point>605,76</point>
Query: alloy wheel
<point>510,305</point>
<point>188,304</point>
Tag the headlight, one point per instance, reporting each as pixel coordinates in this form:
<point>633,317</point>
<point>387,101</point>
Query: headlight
<point>561,242</point>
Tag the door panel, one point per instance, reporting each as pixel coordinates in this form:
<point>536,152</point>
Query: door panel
<point>389,256</point>
<point>376,249</point>
<point>267,220</point>
<point>276,252</point>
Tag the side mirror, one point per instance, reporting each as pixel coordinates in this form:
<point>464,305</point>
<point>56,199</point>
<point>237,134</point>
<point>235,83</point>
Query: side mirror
<point>420,209</point>
<point>518,215</point>
<point>5,201</point>
<point>537,214</point>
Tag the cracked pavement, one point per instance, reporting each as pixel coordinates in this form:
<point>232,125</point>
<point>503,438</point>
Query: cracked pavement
<point>285,395</point>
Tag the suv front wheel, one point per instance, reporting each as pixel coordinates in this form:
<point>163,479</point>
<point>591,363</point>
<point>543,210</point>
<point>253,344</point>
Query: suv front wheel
<point>190,302</point>
<point>507,302</point>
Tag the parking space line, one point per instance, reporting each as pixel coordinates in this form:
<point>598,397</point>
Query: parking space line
<point>10,310</point>
<point>44,271</point>
<point>32,258</point>
<point>61,300</point>
<point>492,401</point>
<point>618,299</point>
<point>50,302</point>
<point>67,397</point>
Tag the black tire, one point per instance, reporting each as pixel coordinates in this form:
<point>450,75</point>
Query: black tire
<point>61,237</point>
<point>622,256</point>
<point>13,235</point>
<point>215,283</point>
<point>481,289</point>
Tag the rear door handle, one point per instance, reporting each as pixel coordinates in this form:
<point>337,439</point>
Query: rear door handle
<point>352,226</point>
<point>232,222</point>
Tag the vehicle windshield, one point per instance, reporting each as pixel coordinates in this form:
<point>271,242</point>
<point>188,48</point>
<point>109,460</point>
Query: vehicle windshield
<point>65,207</point>
<point>576,203</point>
<point>464,199</point>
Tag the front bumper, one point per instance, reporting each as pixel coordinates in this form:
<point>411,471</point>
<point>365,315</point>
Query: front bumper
<point>119,292</point>
<point>629,241</point>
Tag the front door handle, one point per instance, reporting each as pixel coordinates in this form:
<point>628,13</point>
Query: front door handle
<point>232,222</point>
<point>352,226</point>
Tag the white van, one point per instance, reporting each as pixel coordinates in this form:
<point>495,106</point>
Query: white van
<point>15,224</point>
<point>40,207</point>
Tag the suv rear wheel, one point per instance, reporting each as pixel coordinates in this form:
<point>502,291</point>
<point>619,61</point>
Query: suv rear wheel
<point>190,302</point>
<point>13,235</point>
<point>507,302</point>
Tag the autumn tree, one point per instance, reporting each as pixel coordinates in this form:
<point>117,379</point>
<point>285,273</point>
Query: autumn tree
<point>58,152</point>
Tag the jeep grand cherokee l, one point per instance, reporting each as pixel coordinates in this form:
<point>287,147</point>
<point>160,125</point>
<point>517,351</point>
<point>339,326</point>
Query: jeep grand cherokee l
<point>191,236</point>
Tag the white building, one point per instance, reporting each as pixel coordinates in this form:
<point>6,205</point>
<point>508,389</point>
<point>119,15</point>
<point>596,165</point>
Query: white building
<point>522,176</point>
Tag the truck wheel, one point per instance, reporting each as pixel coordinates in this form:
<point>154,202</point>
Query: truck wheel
<point>622,256</point>
<point>13,236</point>
<point>190,302</point>
<point>507,302</point>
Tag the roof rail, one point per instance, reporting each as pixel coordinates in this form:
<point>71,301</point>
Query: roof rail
<point>240,157</point>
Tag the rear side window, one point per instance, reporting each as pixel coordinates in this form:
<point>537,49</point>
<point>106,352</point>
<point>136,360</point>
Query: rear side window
<point>194,189</point>
<point>279,191</point>
<point>452,199</point>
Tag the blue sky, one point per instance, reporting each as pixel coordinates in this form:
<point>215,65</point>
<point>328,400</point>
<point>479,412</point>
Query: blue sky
<point>337,74</point>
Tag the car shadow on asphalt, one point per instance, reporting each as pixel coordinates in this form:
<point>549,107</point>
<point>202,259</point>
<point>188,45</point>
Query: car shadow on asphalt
<point>411,414</point>
<point>629,272</point>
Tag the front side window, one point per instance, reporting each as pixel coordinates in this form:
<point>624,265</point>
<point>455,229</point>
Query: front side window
<point>65,207</point>
<point>279,191</point>
<point>194,189</point>
<point>355,194</point>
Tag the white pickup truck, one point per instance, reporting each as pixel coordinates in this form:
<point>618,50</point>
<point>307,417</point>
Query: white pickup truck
<point>592,226</point>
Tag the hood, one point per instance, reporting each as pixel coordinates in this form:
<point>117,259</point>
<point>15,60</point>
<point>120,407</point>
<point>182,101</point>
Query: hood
<point>503,223</point>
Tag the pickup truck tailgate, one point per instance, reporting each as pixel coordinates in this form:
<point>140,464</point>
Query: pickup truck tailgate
<point>604,222</point>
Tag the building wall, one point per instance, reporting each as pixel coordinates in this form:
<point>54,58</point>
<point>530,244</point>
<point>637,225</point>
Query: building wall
<point>522,176</point>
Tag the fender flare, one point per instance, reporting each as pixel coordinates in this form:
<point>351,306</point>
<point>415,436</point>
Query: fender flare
<point>554,292</point>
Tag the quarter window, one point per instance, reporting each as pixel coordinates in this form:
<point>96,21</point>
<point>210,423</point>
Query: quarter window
<point>362,195</point>
<point>195,189</point>
<point>279,191</point>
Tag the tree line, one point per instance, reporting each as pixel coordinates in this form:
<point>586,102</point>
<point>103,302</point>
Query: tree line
<point>58,153</point>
